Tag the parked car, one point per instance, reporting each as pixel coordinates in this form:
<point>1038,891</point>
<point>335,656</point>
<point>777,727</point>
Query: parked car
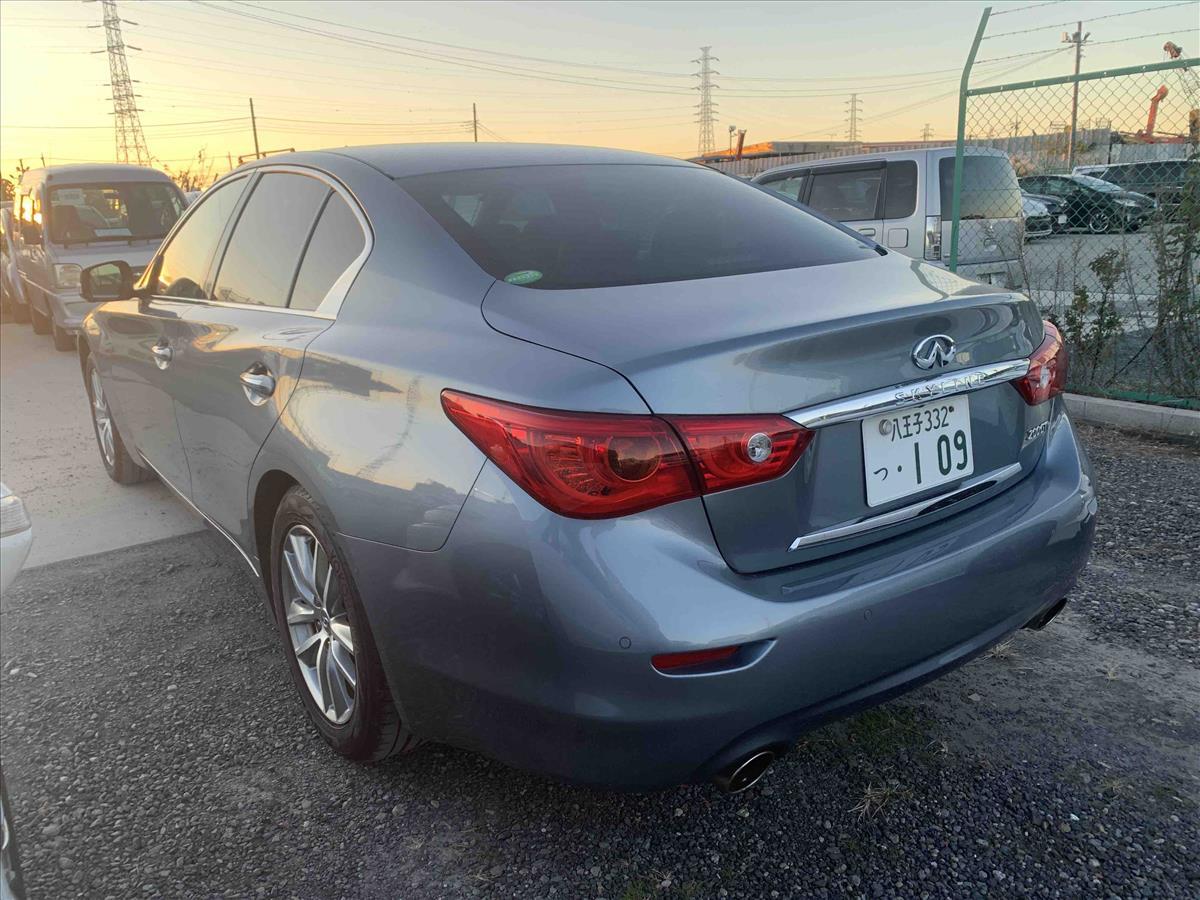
<point>10,285</point>
<point>604,464</point>
<point>16,536</point>
<point>1163,181</point>
<point>1038,221</point>
<point>73,216</point>
<point>1092,204</point>
<point>1054,208</point>
<point>904,199</point>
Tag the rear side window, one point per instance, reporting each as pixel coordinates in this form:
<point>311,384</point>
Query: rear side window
<point>989,189</point>
<point>790,185</point>
<point>185,261</point>
<point>584,226</point>
<point>900,194</point>
<point>336,242</point>
<point>269,237</point>
<point>846,196</point>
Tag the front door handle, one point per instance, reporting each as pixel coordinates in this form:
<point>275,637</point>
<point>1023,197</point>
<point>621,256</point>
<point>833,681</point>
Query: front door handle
<point>162,354</point>
<point>258,384</point>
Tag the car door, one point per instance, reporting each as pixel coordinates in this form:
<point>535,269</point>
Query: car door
<point>294,237</point>
<point>140,339</point>
<point>850,194</point>
<point>903,225</point>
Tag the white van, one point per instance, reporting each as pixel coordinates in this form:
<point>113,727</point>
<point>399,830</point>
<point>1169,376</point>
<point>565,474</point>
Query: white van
<point>902,200</point>
<point>71,217</point>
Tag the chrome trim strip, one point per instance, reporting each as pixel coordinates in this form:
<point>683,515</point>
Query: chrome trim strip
<point>178,493</point>
<point>908,394</point>
<point>848,529</point>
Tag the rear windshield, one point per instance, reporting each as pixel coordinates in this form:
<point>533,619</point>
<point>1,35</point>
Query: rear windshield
<point>989,189</point>
<point>584,226</point>
<point>134,210</point>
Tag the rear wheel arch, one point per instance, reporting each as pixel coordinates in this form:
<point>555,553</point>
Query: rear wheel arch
<point>268,494</point>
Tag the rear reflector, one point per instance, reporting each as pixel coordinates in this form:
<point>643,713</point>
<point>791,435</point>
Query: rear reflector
<point>673,662</point>
<point>601,465</point>
<point>1047,375</point>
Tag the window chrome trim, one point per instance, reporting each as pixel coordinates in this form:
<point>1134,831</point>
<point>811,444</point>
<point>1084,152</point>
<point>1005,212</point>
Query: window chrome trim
<point>849,529</point>
<point>910,393</point>
<point>328,307</point>
<point>194,508</point>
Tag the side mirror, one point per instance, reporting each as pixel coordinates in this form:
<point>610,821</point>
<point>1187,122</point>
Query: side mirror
<point>31,234</point>
<point>107,281</point>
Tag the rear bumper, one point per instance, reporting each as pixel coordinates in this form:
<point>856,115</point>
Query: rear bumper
<point>528,636</point>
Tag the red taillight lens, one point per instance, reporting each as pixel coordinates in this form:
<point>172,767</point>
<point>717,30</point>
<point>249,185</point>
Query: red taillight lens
<point>673,662</point>
<point>583,465</point>
<point>732,451</point>
<point>1047,374</point>
<point>600,465</point>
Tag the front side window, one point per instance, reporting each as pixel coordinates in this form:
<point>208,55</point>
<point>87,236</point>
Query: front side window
<point>846,196</point>
<point>135,210</point>
<point>267,240</point>
<point>186,260</point>
<point>586,226</point>
<point>335,243</point>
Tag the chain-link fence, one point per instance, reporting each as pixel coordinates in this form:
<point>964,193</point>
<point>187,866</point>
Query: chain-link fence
<point>1097,218</point>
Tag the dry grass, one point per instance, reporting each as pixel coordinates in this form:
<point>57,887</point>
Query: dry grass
<point>877,797</point>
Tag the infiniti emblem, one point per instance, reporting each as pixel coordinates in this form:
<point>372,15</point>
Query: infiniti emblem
<point>934,351</point>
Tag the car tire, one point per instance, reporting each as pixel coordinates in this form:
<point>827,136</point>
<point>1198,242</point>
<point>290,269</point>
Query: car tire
<point>40,321</point>
<point>117,460</point>
<point>322,626</point>
<point>63,339</point>
<point>1099,223</point>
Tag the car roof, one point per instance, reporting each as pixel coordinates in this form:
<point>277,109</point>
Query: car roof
<point>82,172</point>
<point>401,160</point>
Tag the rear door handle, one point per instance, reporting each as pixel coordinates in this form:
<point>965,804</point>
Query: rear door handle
<point>162,354</point>
<point>258,384</point>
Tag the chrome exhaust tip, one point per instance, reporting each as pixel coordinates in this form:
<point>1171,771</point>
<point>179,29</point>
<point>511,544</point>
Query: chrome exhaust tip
<point>1042,619</point>
<point>744,774</point>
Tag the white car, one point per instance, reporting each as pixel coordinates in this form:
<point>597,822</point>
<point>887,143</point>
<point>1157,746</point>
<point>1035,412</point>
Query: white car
<point>16,536</point>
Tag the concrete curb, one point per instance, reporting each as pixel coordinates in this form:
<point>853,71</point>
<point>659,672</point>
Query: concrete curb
<point>1163,420</point>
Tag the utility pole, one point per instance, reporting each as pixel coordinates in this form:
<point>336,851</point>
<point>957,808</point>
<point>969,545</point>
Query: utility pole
<point>229,158</point>
<point>1016,126</point>
<point>732,129</point>
<point>926,133</point>
<point>130,141</point>
<point>1078,39</point>
<point>855,107</point>
<point>475,122</point>
<point>254,128</point>
<point>706,108</point>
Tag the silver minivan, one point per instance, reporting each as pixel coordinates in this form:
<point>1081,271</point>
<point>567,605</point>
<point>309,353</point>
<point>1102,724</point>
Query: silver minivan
<point>71,217</point>
<point>902,200</point>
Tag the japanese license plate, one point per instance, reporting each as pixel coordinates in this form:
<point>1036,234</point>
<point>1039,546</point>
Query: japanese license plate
<point>911,450</point>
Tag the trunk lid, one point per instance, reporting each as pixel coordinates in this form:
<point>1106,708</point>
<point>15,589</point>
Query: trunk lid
<point>775,342</point>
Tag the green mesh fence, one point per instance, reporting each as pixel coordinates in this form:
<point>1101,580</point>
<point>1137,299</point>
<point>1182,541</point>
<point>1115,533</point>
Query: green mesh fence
<point>1087,190</point>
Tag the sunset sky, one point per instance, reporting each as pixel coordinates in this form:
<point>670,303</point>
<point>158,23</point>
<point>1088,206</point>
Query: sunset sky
<point>615,74</point>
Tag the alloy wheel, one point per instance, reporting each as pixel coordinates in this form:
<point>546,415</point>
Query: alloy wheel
<point>318,623</point>
<point>103,420</point>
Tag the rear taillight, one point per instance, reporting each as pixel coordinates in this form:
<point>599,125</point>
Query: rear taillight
<point>732,451</point>
<point>1047,375</point>
<point>933,237</point>
<point>601,465</point>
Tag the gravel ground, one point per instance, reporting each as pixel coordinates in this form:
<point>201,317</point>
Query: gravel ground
<point>153,746</point>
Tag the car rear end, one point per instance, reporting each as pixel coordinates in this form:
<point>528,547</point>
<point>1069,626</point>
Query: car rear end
<point>852,474</point>
<point>990,221</point>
